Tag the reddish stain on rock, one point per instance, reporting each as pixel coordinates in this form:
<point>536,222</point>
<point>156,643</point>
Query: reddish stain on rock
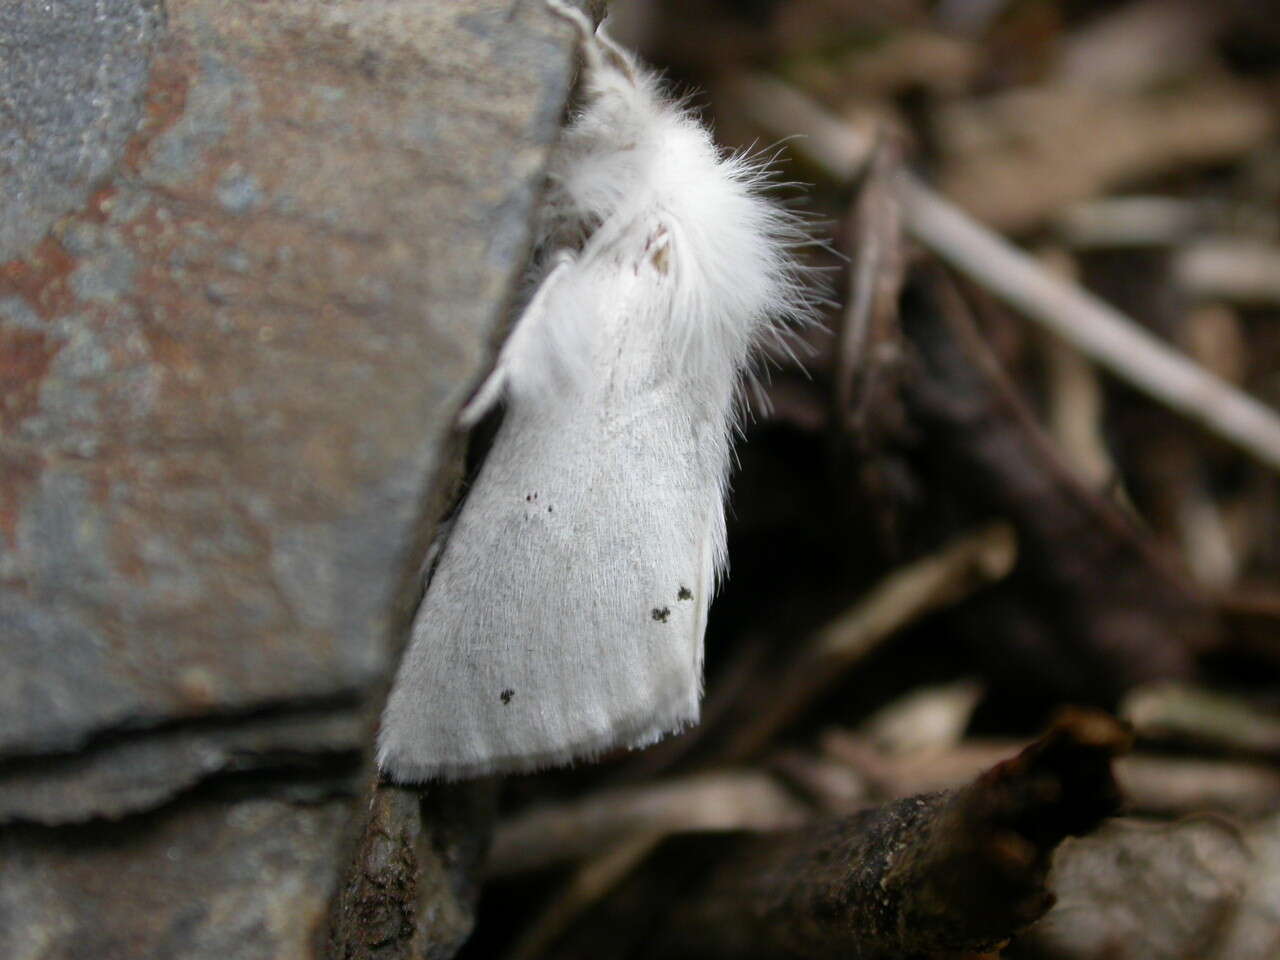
<point>166,100</point>
<point>17,473</point>
<point>41,278</point>
<point>25,356</point>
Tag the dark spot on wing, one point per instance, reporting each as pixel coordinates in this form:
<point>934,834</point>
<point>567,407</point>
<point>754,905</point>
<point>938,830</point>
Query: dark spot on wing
<point>661,614</point>
<point>684,594</point>
<point>506,696</point>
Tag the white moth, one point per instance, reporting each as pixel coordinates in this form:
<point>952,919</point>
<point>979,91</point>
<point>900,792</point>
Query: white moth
<point>566,614</point>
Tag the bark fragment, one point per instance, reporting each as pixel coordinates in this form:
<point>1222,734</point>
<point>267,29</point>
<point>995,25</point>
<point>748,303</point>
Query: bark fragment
<point>412,889</point>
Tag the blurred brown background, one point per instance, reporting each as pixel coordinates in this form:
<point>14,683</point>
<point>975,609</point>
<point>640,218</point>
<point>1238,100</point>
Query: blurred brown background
<point>253,259</point>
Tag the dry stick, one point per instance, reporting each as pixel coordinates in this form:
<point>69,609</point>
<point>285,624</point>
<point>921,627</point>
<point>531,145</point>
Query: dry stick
<point>1202,716</point>
<point>1097,328</point>
<point>1075,399</point>
<point>1093,326</point>
<point>902,597</point>
<point>1239,271</point>
<point>590,883</point>
<point>930,875</point>
<point>870,320</point>
<point>1129,221</point>
<point>1151,784</point>
<point>552,833</point>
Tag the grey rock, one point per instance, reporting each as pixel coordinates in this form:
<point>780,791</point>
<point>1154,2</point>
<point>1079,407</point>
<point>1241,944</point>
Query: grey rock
<point>242,339</point>
<point>129,773</point>
<point>256,259</point>
<point>72,75</point>
<point>202,881</point>
<point>1138,890</point>
<point>1253,931</point>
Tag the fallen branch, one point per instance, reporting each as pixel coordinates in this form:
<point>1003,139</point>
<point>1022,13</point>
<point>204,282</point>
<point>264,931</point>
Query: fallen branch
<point>938,875</point>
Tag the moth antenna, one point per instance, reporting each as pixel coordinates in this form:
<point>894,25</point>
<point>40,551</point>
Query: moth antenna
<point>617,55</point>
<point>597,46</point>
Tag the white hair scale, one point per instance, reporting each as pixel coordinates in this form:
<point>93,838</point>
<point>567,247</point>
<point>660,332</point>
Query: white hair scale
<point>566,614</point>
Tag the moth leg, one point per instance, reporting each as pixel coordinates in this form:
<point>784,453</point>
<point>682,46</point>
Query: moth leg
<point>527,328</point>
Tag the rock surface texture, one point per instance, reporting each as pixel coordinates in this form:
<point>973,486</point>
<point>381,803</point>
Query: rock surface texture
<point>253,258</point>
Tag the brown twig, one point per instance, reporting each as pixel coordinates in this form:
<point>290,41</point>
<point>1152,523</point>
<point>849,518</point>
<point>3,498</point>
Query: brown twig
<point>1202,716</point>
<point>1075,398</point>
<point>869,353</point>
<point>591,882</point>
<point>557,832</point>
<point>1238,271</point>
<point>1093,326</point>
<point>1151,784</point>
<point>902,597</point>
